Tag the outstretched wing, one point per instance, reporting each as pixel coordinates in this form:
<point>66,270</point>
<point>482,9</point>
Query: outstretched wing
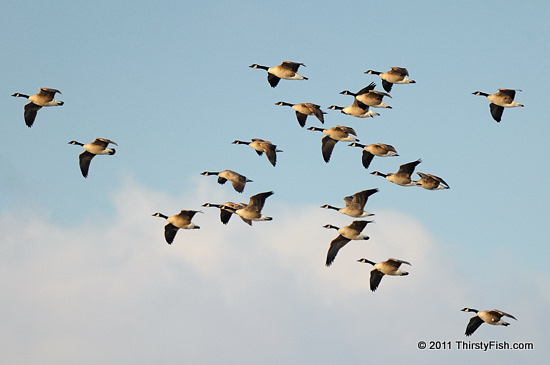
<point>170,232</point>
<point>327,145</point>
<point>474,323</point>
<point>375,278</point>
<point>335,246</point>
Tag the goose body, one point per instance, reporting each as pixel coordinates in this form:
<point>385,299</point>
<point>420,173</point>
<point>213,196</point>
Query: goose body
<point>237,180</point>
<point>375,149</point>
<point>303,110</point>
<point>431,182</point>
<point>369,97</point>
<point>396,75</point>
<point>45,97</point>
<point>402,176</point>
<point>286,70</point>
<point>346,234</point>
<point>503,99</point>
<point>252,211</point>
<point>182,220</point>
<point>388,267</point>
<point>355,204</point>
<point>97,147</point>
<point>262,146</point>
<point>356,109</point>
<point>333,135</point>
<point>493,317</point>
<point>225,214</point>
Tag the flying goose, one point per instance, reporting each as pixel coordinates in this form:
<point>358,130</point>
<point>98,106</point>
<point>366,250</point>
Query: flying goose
<point>402,176</point>
<point>503,99</point>
<point>333,135</point>
<point>397,75</point>
<point>261,146</point>
<point>303,110</point>
<point>493,317</point>
<point>286,70</point>
<point>97,147</point>
<point>369,96</point>
<point>356,109</point>
<point>238,180</point>
<point>355,204</point>
<point>225,215</point>
<point>375,149</point>
<point>431,182</point>
<point>388,267</point>
<point>45,97</point>
<point>252,211</point>
<point>346,234</point>
<point>182,220</point>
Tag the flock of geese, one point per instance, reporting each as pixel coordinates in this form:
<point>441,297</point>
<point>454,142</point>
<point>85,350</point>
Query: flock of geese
<point>363,101</point>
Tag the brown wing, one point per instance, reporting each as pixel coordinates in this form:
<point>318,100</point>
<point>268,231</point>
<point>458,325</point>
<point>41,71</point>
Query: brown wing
<point>359,225</point>
<point>400,70</point>
<point>30,113</point>
<point>375,278</point>
<point>292,65</point>
<point>301,119</point>
<point>367,88</point>
<point>187,215</point>
<point>361,197</point>
<point>170,233</point>
<point>271,153</point>
<point>396,263</point>
<point>367,158</point>
<point>473,325</point>
<point>327,145</point>
<point>501,313</point>
<point>509,94</point>
<point>84,159</point>
<point>335,245</point>
<point>48,93</point>
<point>387,85</point>
<point>496,111</point>
<point>103,142</point>
<point>257,201</point>
<point>272,79</point>
<point>346,129</point>
<point>408,168</point>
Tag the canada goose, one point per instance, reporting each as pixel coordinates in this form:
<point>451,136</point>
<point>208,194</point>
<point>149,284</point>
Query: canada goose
<point>402,176</point>
<point>303,110</point>
<point>388,267</point>
<point>225,215</point>
<point>286,70</point>
<point>431,182</point>
<point>252,211</point>
<point>45,97</point>
<point>397,75</point>
<point>261,146</point>
<point>238,180</point>
<point>97,147</point>
<point>356,109</point>
<point>333,135</point>
<point>182,220</point>
<point>369,96</point>
<point>493,317</point>
<point>347,233</point>
<point>375,149</point>
<point>503,99</point>
<point>355,204</point>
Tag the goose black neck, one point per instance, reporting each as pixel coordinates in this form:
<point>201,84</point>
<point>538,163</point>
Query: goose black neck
<point>18,95</point>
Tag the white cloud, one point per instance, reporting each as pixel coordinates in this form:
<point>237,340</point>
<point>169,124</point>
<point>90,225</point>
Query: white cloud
<point>115,292</point>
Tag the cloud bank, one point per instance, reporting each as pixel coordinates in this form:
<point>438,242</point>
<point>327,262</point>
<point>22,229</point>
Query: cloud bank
<point>112,291</point>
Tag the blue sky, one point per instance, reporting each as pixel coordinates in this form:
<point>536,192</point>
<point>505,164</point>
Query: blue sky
<point>86,274</point>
